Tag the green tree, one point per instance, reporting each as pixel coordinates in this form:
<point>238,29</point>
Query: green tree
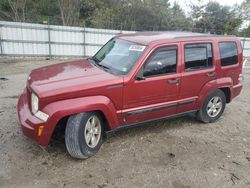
<point>218,19</point>
<point>246,32</point>
<point>245,9</point>
<point>74,12</point>
<point>179,21</point>
<point>139,15</point>
<point>5,10</point>
<point>13,10</point>
<point>40,11</point>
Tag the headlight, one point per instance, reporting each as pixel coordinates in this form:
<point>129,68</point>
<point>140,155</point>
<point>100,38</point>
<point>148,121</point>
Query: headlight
<point>34,103</point>
<point>35,108</point>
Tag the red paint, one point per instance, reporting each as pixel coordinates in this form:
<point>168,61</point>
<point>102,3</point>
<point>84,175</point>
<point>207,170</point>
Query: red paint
<point>73,87</point>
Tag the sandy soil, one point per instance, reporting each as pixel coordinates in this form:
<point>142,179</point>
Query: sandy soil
<point>179,153</point>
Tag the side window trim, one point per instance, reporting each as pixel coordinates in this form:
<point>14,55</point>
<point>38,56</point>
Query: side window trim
<point>207,58</point>
<point>159,49</point>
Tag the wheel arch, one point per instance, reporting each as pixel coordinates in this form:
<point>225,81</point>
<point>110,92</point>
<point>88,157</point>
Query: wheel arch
<point>227,92</point>
<point>224,84</point>
<point>60,111</point>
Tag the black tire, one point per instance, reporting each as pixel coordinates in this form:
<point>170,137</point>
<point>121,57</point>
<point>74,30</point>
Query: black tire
<point>75,140</point>
<point>203,115</point>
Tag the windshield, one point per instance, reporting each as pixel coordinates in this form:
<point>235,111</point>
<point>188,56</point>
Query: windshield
<point>118,56</point>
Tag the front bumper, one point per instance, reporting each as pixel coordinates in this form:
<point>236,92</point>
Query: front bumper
<point>29,123</point>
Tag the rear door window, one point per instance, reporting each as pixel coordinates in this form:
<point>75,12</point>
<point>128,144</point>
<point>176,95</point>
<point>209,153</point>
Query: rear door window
<point>228,53</point>
<point>198,56</point>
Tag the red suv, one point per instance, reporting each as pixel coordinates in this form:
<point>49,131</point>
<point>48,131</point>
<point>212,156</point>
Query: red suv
<point>132,79</point>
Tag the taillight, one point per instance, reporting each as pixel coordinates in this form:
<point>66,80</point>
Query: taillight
<point>241,78</point>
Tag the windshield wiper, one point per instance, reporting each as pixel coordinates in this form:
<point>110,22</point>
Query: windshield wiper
<point>97,63</point>
<point>104,66</point>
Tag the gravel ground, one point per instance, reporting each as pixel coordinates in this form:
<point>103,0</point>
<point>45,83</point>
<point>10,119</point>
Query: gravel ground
<point>179,153</point>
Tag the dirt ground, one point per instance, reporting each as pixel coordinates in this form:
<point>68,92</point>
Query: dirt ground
<point>179,153</point>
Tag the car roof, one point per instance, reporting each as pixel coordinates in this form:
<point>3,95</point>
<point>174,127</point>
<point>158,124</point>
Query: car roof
<point>149,37</point>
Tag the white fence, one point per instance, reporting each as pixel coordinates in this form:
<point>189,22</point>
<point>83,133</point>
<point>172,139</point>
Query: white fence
<point>25,39</point>
<point>246,47</point>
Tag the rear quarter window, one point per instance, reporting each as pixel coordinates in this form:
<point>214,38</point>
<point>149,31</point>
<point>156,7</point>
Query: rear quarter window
<point>228,53</point>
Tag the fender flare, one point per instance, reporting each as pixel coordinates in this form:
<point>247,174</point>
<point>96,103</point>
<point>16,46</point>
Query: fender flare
<point>212,85</point>
<point>59,109</point>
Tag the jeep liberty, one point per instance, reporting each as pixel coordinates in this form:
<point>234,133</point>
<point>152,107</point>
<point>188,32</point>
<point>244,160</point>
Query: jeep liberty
<point>131,80</point>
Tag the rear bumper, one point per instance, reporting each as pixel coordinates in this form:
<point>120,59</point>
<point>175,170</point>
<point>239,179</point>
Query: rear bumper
<point>236,90</point>
<point>29,123</point>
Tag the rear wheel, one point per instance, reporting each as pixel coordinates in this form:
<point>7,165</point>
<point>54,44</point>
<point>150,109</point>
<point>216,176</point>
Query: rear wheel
<point>213,107</point>
<point>83,134</point>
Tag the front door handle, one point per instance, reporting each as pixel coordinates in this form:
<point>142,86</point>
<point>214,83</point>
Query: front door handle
<point>174,81</point>
<point>211,74</point>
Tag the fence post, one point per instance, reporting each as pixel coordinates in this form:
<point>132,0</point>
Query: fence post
<point>243,45</point>
<point>84,41</point>
<point>121,28</point>
<point>1,45</point>
<point>49,41</point>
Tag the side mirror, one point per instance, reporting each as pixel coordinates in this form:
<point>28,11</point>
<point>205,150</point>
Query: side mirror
<point>139,75</point>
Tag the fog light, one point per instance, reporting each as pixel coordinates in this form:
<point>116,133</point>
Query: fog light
<point>40,130</point>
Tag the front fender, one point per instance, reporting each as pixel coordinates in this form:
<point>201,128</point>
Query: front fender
<point>212,85</point>
<point>58,110</point>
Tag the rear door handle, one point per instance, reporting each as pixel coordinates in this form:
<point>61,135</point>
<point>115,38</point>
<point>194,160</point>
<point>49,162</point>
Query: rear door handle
<point>211,74</point>
<point>174,81</point>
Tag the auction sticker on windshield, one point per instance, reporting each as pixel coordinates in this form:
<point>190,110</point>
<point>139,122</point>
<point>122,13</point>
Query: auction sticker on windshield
<point>138,48</point>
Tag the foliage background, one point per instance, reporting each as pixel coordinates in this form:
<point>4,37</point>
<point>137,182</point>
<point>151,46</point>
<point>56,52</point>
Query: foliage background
<point>140,15</point>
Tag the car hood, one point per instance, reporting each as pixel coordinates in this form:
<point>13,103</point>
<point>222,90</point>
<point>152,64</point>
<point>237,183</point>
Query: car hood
<point>69,76</point>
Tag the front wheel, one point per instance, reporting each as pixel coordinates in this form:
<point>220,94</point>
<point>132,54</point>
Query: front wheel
<point>213,107</point>
<point>83,134</point>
